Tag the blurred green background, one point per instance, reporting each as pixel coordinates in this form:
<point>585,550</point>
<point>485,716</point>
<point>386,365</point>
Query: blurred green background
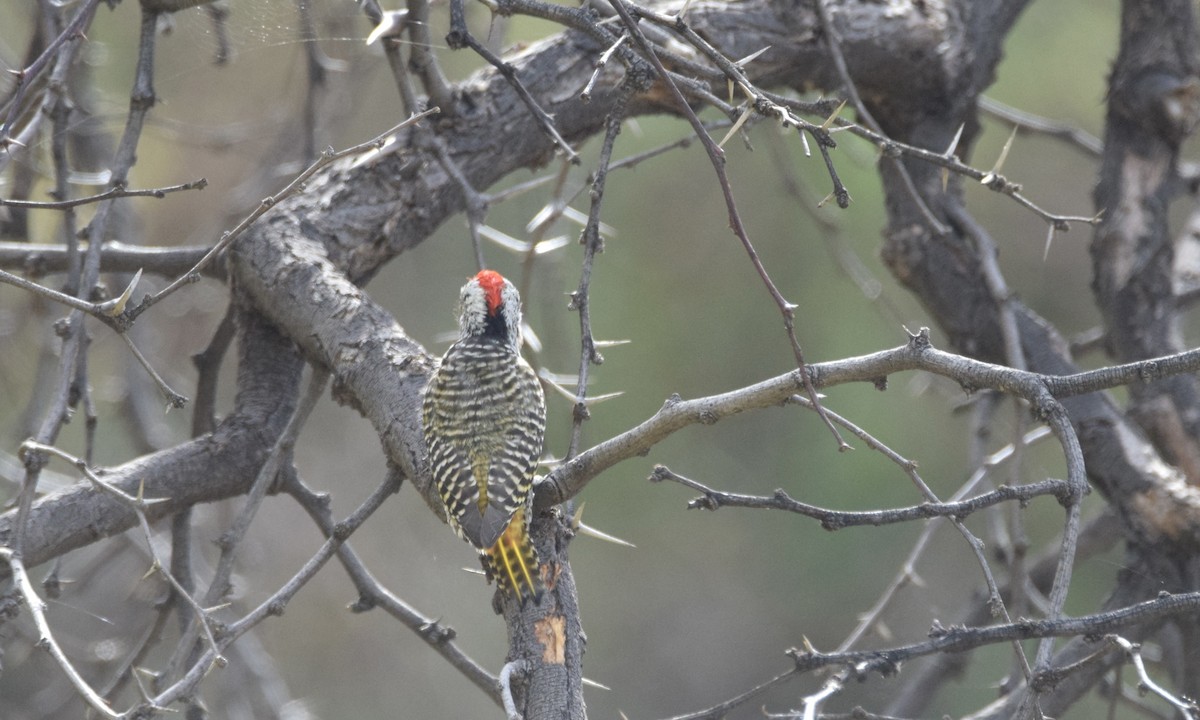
<point>707,603</point>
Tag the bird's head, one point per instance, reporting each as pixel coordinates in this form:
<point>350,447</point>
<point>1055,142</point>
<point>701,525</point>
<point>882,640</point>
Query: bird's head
<point>490,306</point>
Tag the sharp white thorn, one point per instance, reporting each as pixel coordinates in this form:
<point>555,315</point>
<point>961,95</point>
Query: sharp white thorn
<point>599,535</point>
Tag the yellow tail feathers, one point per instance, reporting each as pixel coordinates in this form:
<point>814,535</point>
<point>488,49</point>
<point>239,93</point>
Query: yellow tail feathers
<point>513,562</point>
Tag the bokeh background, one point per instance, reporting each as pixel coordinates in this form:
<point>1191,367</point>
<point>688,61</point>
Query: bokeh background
<point>707,603</point>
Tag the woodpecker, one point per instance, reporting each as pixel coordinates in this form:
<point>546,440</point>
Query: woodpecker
<point>484,419</point>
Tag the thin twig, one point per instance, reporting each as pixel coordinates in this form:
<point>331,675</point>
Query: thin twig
<point>1014,355</point>
<point>103,312</point>
<point>834,42</point>
<point>141,101</point>
<point>115,192</point>
<point>424,61</point>
<point>918,354</point>
<point>892,148</point>
<point>1055,415</point>
<point>717,158</point>
<point>585,95</point>
<point>81,278</point>
<point>174,399</point>
<point>1144,371</point>
<point>832,687</point>
<point>139,505</point>
<point>839,519</point>
<point>1189,709</point>
<point>1052,677</point>
<point>227,239</point>
<point>37,608</point>
<point>315,64</point>
<point>721,710</point>
<point>372,594</point>
<point>848,261</point>
<point>70,301</point>
<point>90,419</point>
<point>137,654</point>
<point>592,244</point>
<point>832,520</point>
<point>74,31</point>
<point>275,604</point>
<point>986,252</point>
<point>960,638</point>
<point>908,571</point>
<point>460,37</point>
<point>208,367</point>
<point>61,111</point>
<point>219,584</point>
<point>506,673</point>
<point>541,223</point>
<point>1027,122</point>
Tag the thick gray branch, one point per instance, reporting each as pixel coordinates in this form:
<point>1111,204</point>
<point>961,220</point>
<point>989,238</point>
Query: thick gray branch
<point>216,466</point>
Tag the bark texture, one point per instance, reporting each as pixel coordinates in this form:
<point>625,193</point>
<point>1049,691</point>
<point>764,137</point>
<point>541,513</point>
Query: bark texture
<point>920,68</point>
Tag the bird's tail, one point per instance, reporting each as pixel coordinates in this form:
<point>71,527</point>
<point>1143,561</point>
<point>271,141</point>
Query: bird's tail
<point>513,562</point>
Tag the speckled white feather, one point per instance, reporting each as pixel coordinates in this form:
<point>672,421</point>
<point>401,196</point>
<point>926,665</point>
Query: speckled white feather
<point>473,311</point>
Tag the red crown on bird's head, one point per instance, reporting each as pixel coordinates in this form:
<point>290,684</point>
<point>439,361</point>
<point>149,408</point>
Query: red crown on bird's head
<point>492,283</point>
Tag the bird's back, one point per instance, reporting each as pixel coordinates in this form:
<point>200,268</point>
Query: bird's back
<point>484,418</point>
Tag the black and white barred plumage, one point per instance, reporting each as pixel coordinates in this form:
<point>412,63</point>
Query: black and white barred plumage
<point>484,420</point>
